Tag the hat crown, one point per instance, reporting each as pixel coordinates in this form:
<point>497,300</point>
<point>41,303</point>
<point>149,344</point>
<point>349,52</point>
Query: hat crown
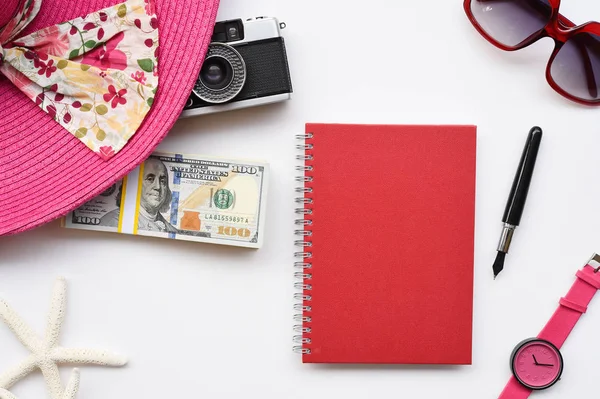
<point>7,11</point>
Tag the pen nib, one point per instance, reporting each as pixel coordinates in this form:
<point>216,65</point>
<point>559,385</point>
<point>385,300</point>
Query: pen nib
<point>498,263</point>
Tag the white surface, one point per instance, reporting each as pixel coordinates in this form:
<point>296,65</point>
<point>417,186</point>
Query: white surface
<point>202,321</point>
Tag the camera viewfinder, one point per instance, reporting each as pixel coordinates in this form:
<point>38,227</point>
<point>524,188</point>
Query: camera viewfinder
<point>228,31</point>
<point>232,31</point>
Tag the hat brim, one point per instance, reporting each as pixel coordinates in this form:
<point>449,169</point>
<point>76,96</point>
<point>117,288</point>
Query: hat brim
<point>45,172</point>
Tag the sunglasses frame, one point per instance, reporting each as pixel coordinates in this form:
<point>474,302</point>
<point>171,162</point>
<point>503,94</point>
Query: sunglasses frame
<point>559,28</point>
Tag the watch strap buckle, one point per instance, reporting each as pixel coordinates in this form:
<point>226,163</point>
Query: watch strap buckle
<point>595,263</point>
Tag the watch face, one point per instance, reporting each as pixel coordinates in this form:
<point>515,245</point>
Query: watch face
<point>536,363</point>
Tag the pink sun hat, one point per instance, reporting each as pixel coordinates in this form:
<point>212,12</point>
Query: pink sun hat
<point>88,89</point>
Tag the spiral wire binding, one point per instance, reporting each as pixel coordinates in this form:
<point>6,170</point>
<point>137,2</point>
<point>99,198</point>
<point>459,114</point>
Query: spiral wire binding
<point>303,265</point>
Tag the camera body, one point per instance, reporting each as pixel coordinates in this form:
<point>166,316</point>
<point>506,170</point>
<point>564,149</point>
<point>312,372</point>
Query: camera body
<point>245,66</point>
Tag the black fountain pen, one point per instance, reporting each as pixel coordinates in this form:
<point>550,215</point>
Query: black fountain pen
<point>518,195</point>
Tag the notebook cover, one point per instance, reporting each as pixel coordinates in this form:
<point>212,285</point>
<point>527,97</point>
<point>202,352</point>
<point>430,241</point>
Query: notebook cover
<point>392,244</point>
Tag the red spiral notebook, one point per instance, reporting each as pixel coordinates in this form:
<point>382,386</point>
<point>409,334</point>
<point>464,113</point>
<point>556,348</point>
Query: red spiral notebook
<point>386,267</point>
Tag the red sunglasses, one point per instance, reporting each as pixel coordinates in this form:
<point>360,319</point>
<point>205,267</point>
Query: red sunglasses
<point>574,66</point>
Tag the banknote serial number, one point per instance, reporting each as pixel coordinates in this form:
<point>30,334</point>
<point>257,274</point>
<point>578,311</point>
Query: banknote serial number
<point>227,218</point>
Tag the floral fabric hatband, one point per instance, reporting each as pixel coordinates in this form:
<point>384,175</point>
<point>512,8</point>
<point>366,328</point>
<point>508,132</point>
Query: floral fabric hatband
<point>96,75</point>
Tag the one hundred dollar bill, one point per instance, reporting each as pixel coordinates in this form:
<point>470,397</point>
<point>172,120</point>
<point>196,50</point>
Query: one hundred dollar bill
<point>183,197</point>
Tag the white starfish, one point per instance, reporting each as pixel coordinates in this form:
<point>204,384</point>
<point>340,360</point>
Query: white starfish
<point>46,354</point>
<point>70,391</point>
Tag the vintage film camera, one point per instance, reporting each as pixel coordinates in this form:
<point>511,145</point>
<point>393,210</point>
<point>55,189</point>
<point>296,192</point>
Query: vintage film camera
<point>246,65</point>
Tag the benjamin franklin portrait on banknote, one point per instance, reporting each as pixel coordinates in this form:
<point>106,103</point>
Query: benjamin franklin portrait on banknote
<point>155,198</point>
<point>111,219</point>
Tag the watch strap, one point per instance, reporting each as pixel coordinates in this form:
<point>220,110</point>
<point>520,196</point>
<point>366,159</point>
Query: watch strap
<point>571,307</point>
<point>562,322</point>
<point>514,390</point>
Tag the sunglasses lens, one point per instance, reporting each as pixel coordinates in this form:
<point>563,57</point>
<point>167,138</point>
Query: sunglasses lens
<point>576,67</point>
<point>510,22</point>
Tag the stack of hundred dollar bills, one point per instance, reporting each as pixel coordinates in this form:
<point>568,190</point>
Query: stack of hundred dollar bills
<point>183,197</point>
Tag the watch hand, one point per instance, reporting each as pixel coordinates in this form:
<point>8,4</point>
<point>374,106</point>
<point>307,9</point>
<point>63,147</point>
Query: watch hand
<point>547,365</point>
<point>535,360</point>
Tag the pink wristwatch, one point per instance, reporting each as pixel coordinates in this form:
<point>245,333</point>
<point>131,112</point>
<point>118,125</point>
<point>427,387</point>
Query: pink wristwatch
<point>537,363</point>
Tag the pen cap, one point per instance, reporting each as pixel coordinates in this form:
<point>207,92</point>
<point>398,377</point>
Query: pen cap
<point>520,187</point>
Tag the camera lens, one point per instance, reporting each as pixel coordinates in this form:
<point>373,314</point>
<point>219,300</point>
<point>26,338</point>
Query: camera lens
<point>216,73</point>
<point>222,76</point>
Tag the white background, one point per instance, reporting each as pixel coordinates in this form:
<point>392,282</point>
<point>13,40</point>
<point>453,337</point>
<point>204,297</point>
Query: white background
<point>202,321</point>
